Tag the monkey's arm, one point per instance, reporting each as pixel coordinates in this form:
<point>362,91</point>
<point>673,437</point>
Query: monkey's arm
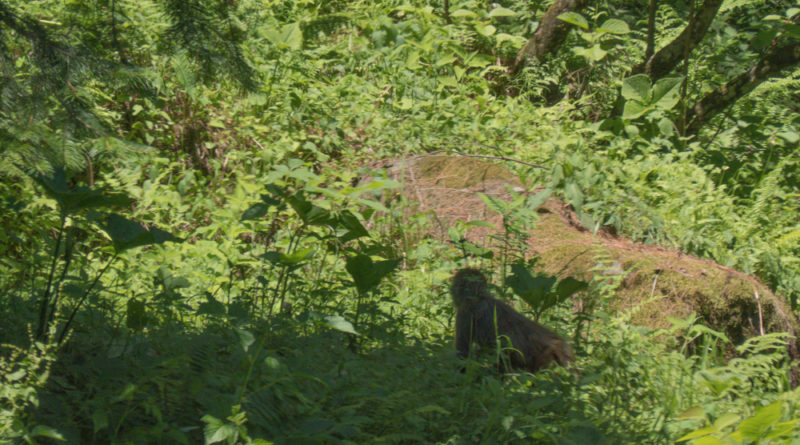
<point>463,328</point>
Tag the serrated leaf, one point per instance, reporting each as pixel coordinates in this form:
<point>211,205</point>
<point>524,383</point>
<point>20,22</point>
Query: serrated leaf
<point>666,92</point>
<point>292,36</point>
<point>637,88</point>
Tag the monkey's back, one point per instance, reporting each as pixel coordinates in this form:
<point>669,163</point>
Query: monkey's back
<point>534,346</point>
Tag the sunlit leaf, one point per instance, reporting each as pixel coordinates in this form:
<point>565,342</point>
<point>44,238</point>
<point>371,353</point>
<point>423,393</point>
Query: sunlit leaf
<point>614,26</point>
<point>501,12</point>
<point>574,18</point>
<point>340,324</point>
<point>637,88</point>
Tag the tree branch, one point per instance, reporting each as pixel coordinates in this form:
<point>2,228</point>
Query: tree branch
<point>668,57</point>
<point>549,35</point>
<point>770,65</point>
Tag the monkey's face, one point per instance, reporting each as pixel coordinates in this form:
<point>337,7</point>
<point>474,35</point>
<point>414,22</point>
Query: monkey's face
<point>468,284</point>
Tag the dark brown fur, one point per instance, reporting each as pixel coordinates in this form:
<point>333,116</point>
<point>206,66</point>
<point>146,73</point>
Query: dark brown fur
<point>533,346</point>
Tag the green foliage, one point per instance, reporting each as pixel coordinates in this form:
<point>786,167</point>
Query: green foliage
<point>307,303</point>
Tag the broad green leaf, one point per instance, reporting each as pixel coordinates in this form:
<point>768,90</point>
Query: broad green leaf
<point>340,324</point>
<point>445,60</point>
<point>256,211</point>
<point>594,53</point>
<point>412,61</point>
<point>694,412</point>
<point>292,36</point>
<point>46,431</point>
<point>291,259</point>
<point>476,61</point>
<point>726,420</point>
<point>574,18</point>
<point>501,12</point>
<point>126,234</point>
<point>474,250</point>
<point>633,109</point>
<point>666,127</point>
<point>698,433</point>
<point>754,427</point>
<point>81,198</point>
<point>211,307</point>
<point>789,136</point>
<point>246,338</point>
<point>570,286</point>
<point>614,26</point>
<point>308,212</point>
<point>480,223</point>
<point>485,29</point>
<point>353,225</point>
<point>538,199</point>
<point>298,256</point>
<point>16,375</point>
<point>666,92</point>
<point>637,88</point>
<point>217,431</point>
<point>463,13</point>
<point>260,209</point>
<point>532,289</point>
<point>366,273</point>
<point>783,429</point>
<point>708,440</point>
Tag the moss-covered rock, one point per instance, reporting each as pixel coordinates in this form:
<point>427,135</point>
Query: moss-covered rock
<point>724,299</point>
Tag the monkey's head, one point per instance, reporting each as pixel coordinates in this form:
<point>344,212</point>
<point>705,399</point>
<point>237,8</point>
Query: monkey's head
<point>468,284</point>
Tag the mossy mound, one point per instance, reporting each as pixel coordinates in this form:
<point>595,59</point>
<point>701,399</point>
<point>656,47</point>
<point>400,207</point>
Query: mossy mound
<point>723,298</point>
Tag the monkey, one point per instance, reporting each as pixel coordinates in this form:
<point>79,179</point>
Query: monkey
<point>481,319</point>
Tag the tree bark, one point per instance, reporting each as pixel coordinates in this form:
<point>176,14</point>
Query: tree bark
<point>651,30</point>
<point>668,57</point>
<point>770,65</point>
<point>549,35</point>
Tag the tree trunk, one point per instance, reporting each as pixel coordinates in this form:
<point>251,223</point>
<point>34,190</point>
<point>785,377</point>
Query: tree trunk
<point>668,57</point>
<point>651,30</point>
<point>770,65</point>
<point>550,33</point>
